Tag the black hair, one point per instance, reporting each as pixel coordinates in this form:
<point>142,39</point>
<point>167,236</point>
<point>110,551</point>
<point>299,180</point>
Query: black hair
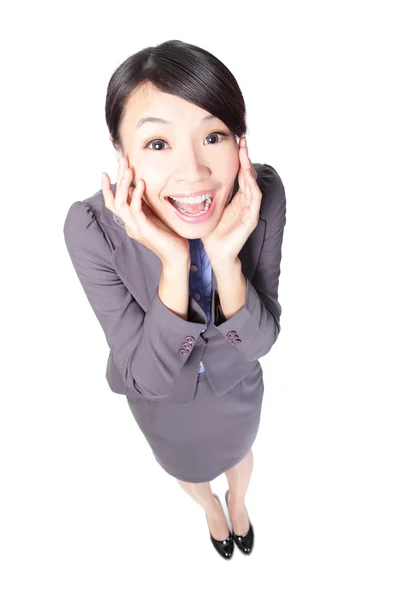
<point>181,69</point>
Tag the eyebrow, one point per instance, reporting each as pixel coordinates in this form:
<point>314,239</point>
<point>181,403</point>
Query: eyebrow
<point>163,122</point>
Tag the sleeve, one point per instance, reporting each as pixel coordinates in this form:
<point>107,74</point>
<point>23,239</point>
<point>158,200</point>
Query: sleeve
<point>145,346</point>
<point>257,323</point>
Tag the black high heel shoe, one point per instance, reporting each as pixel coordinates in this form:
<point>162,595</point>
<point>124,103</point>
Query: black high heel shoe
<point>243,542</point>
<point>224,547</point>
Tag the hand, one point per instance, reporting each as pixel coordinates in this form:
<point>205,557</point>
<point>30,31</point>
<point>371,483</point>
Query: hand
<point>140,221</point>
<point>239,218</point>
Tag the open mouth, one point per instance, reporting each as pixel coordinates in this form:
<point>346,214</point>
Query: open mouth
<point>194,212</point>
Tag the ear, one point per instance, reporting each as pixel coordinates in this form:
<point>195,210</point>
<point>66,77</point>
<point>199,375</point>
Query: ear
<point>117,152</point>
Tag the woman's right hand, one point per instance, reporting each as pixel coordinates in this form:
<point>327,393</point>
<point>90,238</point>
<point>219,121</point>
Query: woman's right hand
<point>140,221</point>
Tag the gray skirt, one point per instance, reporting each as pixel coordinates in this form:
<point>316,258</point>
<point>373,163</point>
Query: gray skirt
<point>199,441</point>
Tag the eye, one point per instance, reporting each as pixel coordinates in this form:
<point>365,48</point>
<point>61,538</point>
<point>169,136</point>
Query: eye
<point>148,143</point>
<point>220,133</point>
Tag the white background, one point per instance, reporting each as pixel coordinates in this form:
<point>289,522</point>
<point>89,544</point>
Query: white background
<point>86,511</point>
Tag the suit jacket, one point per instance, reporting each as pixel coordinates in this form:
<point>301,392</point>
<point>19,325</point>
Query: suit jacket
<point>154,353</point>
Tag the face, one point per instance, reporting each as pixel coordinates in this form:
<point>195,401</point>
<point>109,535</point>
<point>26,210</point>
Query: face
<point>187,156</point>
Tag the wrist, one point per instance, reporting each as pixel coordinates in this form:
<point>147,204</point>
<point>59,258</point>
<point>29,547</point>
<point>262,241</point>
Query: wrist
<point>226,265</point>
<point>176,267</point>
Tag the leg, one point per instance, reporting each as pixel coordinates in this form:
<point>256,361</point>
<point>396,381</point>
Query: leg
<point>202,494</point>
<point>238,479</point>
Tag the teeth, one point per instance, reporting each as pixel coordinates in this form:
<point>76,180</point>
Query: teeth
<point>182,210</point>
<point>192,199</point>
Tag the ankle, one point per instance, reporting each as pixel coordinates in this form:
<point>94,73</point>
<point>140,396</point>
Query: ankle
<point>213,509</point>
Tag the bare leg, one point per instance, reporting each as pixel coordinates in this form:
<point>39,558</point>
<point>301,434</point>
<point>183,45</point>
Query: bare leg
<point>238,479</point>
<point>202,494</point>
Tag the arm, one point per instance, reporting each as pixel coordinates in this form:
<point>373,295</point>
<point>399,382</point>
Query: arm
<point>145,346</point>
<point>173,288</point>
<point>231,285</point>
<point>257,319</point>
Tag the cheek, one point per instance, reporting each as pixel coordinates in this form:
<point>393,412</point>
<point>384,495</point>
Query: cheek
<point>232,165</point>
<point>152,199</point>
<point>232,170</point>
<point>153,184</point>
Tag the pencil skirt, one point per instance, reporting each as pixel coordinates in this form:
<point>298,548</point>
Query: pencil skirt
<point>200,441</point>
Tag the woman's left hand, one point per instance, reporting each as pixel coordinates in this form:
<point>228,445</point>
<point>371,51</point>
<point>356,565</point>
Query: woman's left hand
<point>240,216</point>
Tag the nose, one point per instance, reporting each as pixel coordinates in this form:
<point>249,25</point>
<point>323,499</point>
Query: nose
<point>192,168</point>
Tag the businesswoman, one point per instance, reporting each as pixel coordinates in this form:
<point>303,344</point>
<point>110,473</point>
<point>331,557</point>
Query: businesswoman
<point>180,261</point>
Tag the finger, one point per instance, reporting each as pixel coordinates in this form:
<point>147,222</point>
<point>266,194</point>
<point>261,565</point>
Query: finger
<point>250,179</point>
<point>247,165</point>
<point>253,170</point>
<point>122,191</point>
<point>132,214</point>
<point>107,192</point>
<point>122,164</point>
<point>253,192</point>
<point>242,178</point>
<point>247,190</point>
<point>241,181</point>
<point>246,158</point>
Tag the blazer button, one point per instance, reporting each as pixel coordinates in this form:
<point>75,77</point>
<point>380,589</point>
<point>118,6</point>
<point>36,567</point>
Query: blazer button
<point>233,337</point>
<point>183,351</point>
<point>190,339</point>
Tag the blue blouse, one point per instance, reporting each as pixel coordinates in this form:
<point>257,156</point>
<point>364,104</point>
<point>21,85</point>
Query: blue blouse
<point>200,280</point>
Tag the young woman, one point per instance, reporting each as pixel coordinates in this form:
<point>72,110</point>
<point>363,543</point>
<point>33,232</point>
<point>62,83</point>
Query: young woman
<point>180,261</point>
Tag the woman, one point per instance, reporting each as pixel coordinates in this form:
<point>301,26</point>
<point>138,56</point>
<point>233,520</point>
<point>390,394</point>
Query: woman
<point>180,261</point>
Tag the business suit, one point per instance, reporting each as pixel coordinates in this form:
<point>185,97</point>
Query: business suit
<point>155,355</point>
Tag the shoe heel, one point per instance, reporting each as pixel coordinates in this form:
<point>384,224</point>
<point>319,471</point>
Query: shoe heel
<point>245,543</point>
<point>224,547</point>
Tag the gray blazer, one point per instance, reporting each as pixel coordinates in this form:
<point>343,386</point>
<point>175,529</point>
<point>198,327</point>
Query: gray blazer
<point>154,353</point>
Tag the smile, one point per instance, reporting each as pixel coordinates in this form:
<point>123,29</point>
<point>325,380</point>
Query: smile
<point>196,209</point>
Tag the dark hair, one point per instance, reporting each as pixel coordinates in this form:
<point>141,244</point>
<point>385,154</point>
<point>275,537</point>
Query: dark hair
<point>181,69</point>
